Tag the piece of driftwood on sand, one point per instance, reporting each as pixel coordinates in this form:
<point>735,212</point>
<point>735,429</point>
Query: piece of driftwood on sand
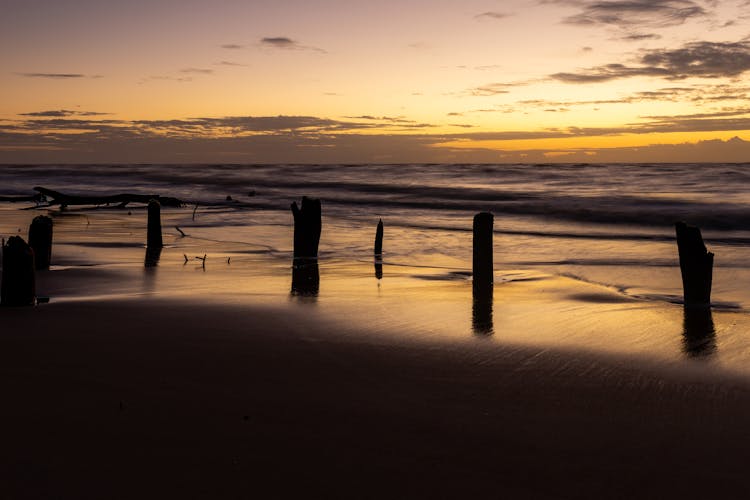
<point>121,200</point>
<point>696,265</point>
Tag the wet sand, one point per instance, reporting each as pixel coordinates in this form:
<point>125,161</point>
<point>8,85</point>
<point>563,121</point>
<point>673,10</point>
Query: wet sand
<point>181,381</point>
<point>177,399</point>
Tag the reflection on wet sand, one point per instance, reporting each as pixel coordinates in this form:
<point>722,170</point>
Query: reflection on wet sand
<point>153,254</point>
<point>699,333</point>
<point>305,278</point>
<point>379,269</point>
<point>481,311</point>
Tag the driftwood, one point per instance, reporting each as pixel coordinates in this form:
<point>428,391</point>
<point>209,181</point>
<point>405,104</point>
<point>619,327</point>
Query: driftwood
<point>18,286</point>
<point>121,200</point>
<point>40,240</point>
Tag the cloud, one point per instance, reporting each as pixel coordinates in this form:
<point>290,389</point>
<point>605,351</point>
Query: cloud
<point>693,60</point>
<point>310,139</point>
<point>491,89</point>
<point>627,13</point>
<point>492,15</point>
<point>197,71</point>
<point>231,63</point>
<point>286,43</point>
<point>637,37</point>
<point>232,46</point>
<point>55,76</point>
<point>61,113</point>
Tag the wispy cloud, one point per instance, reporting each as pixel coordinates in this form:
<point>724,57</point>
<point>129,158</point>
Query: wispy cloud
<point>628,13</point>
<point>232,46</point>
<point>61,113</point>
<point>286,43</point>
<point>197,71</point>
<point>492,15</point>
<point>55,76</point>
<point>230,63</point>
<point>696,59</point>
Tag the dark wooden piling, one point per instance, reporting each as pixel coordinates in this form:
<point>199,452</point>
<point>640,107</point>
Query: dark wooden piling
<point>307,226</point>
<point>696,265</point>
<point>305,277</point>
<point>379,241</point>
<point>153,239</point>
<point>482,266</point>
<point>18,286</point>
<point>40,240</point>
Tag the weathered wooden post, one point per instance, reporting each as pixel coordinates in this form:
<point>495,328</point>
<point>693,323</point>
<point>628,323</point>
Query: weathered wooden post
<point>696,265</point>
<point>40,240</point>
<point>153,238</point>
<point>305,277</point>
<point>154,242</point>
<point>482,274</point>
<point>378,251</point>
<point>18,286</point>
<point>379,241</point>
<point>307,226</point>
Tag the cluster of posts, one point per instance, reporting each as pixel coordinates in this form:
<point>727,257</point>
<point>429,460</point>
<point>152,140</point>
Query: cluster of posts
<point>21,260</point>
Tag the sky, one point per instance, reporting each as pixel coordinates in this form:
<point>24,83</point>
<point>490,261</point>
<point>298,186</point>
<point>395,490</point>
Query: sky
<point>292,81</point>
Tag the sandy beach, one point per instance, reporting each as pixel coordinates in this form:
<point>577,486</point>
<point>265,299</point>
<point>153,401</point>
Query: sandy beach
<point>170,398</point>
<point>192,381</point>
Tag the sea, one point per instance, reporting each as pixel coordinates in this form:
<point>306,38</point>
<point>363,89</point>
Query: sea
<point>608,224</point>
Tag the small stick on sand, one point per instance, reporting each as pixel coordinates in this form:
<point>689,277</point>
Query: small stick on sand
<point>182,233</point>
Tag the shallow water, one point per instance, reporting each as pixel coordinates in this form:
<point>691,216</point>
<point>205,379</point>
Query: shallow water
<point>584,255</point>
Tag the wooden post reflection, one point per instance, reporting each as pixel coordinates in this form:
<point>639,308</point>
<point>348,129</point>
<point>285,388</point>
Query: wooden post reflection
<point>699,333</point>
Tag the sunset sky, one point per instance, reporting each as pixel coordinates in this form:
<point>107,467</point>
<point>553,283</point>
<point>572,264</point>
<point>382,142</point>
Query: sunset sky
<point>391,81</point>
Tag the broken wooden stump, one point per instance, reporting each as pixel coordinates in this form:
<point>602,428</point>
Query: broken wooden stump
<point>481,312</point>
<point>18,286</point>
<point>153,239</point>
<point>307,226</point>
<point>482,274</point>
<point>40,240</point>
<point>305,277</point>
<point>379,269</point>
<point>696,265</point>
<point>379,241</point>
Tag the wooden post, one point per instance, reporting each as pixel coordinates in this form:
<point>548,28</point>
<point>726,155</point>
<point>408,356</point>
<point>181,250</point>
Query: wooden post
<point>305,277</point>
<point>379,241</point>
<point>307,226</point>
<point>40,240</point>
<point>18,286</point>
<point>482,266</point>
<point>153,239</point>
<point>696,265</point>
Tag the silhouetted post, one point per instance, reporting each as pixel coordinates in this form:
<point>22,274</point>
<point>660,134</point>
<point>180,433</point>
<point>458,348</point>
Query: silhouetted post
<point>482,268</point>
<point>305,277</point>
<point>307,226</point>
<point>696,265</point>
<point>482,274</point>
<point>40,240</point>
<point>18,287</point>
<point>379,241</point>
<point>154,225</point>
